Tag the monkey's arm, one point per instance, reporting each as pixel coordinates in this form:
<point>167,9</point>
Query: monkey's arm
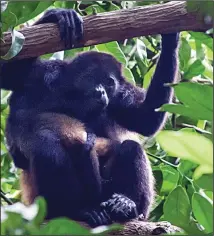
<point>138,115</point>
<point>15,73</point>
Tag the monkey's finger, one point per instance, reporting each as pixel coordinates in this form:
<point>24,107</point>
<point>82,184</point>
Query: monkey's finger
<point>107,217</point>
<point>68,29</point>
<point>78,26</point>
<point>62,29</point>
<point>97,217</point>
<point>89,219</point>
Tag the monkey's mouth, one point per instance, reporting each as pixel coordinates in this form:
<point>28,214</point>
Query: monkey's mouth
<point>103,101</point>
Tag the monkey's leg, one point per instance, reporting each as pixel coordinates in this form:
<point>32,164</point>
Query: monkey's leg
<point>132,184</point>
<point>56,176</point>
<point>103,149</point>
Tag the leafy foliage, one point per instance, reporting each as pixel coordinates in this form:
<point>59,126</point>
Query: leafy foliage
<point>181,154</point>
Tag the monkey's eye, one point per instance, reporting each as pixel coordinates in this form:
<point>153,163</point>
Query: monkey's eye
<point>110,81</point>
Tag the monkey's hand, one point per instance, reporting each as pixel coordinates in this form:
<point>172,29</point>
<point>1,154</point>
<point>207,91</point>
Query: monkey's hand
<point>70,24</point>
<point>120,208</point>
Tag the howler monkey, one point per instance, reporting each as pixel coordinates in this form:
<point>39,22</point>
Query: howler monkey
<point>73,128</point>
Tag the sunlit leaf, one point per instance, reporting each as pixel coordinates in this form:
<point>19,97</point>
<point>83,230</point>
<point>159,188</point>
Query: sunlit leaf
<point>141,51</point>
<point>57,56</point>
<point>203,211</point>
<point>18,40</point>
<point>188,146</point>
<point>114,49</point>
<point>196,68</point>
<point>197,100</point>
<point>27,212</point>
<point>18,12</point>
<point>195,96</point>
<point>148,77</point>
<point>128,75</point>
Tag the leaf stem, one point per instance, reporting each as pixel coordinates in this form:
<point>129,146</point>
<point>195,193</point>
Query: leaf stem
<point>163,161</point>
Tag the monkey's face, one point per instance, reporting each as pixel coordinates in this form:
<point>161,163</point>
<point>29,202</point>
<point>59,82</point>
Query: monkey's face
<point>94,79</point>
<point>92,97</point>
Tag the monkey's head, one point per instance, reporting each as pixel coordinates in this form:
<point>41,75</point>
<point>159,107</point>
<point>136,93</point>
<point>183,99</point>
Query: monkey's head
<point>94,80</point>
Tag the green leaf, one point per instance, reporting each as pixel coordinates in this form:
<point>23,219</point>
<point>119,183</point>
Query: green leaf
<point>205,182</point>
<point>10,221</point>
<point>63,226</point>
<point>209,194</point>
<point>196,96</point>
<point>157,212</point>
<point>98,7</point>
<point>22,11</point>
<point>39,218</point>
<point>18,40</point>
<point>195,69</point>
<point>203,38</point>
<point>177,207</point>
<point>204,7</point>
<point>170,179</point>
<point>184,54</point>
<point>200,50</point>
<point>197,100</point>
<point>74,52</point>
<point>41,7</point>
<point>114,49</point>
<point>187,167</point>
<point>208,73</point>
<point>158,180</point>
<point>203,211</point>
<point>185,111</point>
<point>128,75</point>
<point>148,77</point>
<point>141,51</point>
<point>188,146</point>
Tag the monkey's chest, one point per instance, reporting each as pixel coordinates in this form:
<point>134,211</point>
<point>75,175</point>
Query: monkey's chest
<point>108,128</point>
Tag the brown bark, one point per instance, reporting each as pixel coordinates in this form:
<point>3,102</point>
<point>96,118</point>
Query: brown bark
<point>137,227</point>
<point>111,26</point>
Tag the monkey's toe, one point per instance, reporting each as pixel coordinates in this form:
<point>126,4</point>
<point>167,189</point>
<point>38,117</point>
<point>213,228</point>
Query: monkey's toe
<point>95,218</point>
<point>120,208</point>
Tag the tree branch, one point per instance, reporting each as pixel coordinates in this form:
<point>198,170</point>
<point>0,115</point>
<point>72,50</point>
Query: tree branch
<point>110,26</point>
<point>137,227</point>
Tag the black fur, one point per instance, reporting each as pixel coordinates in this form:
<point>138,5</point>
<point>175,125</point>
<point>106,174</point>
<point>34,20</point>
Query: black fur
<point>47,142</point>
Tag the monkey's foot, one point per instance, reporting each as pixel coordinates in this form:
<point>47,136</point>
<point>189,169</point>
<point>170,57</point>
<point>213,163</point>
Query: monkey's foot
<point>96,218</point>
<point>120,208</point>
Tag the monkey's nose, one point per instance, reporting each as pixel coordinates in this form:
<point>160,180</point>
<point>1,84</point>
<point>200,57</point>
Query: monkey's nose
<point>100,92</point>
<point>101,95</point>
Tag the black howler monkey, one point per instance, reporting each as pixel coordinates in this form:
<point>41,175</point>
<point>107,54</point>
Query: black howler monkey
<point>73,128</point>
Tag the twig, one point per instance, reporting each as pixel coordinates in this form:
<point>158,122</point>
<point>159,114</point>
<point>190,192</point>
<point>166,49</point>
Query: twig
<point>162,160</point>
<point>7,200</point>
